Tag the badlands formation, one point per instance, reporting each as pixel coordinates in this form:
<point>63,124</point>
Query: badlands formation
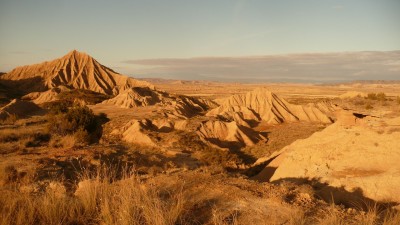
<point>264,105</point>
<point>75,70</point>
<point>359,153</point>
<point>246,140</point>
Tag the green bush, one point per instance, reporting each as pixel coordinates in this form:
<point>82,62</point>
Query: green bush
<point>72,120</point>
<point>79,122</point>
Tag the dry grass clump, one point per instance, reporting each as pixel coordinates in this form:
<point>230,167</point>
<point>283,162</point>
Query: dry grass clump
<point>9,120</point>
<point>11,177</point>
<point>9,174</point>
<point>67,141</point>
<point>99,199</point>
<point>77,139</point>
<point>15,139</point>
<point>332,217</point>
<point>219,217</point>
<point>371,216</point>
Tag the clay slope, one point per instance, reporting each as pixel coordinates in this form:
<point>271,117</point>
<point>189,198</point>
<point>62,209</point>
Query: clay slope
<point>183,107</point>
<point>262,104</point>
<point>228,134</point>
<point>357,152</point>
<point>46,96</point>
<point>139,131</point>
<point>19,108</point>
<point>172,106</point>
<point>136,131</point>
<point>135,97</point>
<point>75,70</point>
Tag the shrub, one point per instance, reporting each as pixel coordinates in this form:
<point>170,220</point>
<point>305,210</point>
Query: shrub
<point>82,137</point>
<point>380,96</point>
<point>79,122</point>
<point>57,107</point>
<point>77,139</point>
<point>74,119</point>
<point>67,141</point>
<point>36,139</point>
<point>369,106</point>
<point>371,96</point>
<point>398,100</point>
<point>9,120</point>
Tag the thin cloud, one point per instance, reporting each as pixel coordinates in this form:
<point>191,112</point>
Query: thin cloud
<point>310,67</point>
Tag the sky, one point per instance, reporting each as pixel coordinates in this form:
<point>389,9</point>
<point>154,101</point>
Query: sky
<point>124,34</point>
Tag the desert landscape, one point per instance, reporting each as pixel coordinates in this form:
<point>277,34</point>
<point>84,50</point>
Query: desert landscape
<point>238,112</point>
<point>83,144</point>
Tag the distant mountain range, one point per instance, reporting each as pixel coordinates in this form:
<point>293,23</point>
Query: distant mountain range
<point>299,68</point>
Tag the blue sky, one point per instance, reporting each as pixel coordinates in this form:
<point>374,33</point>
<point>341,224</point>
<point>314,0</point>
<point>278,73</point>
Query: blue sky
<point>115,32</point>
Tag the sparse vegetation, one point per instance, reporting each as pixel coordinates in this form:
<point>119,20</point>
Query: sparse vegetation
<point>369,106</point>
<point>220,157</point>
<point>72,120</point>
<point>358,101</point>
<point>99,199</point>
<point>9,120</point>
<point>106,196</point>
<point>87,96</point>
<point>79,122</point>
<point>377,96</point>
<point>15,139</point>
<point>68,99</point>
